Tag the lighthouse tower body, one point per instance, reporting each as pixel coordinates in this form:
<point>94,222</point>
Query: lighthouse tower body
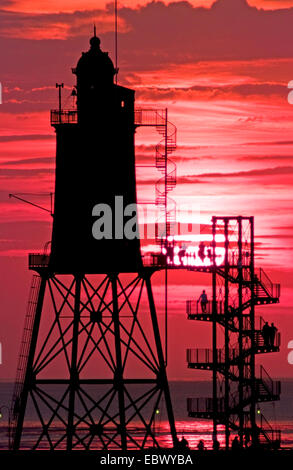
<point>95,191</point>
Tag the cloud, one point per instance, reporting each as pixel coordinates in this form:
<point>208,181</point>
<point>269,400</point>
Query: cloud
<point>249,90</point>
<point>286,170</point>
<point>203,178</point>
<point>181,33</point>
<point>24,173</point>
<point>28,161</point>
<point>180,180</point>
<point>152,37</point>
<point>25,137</point>
<point>273,236</point>
<point>266,158</point>
<point>60,25</point>
<point>23,235</point>
<point>271,143</point>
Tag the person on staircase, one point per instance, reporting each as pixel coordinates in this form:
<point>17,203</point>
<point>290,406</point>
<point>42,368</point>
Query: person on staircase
<point>266,330</point>
<point>182,254</point>
<point>216,445</point>
<point>201,445</point>
<point>273,332</point>
<point>236,444</point>
<point>203,299</point>
<point>170,252</point>
<point>183,444</point>
<point>201,251</point>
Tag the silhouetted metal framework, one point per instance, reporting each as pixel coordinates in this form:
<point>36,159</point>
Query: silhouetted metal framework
<point>237,288</point>
<point>91,370</point>
<point>101,335</point>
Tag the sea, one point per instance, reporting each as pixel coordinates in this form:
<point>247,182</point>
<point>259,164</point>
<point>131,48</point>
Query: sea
<point>279,414</point>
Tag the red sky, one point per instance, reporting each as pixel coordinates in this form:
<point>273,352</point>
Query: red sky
<point>221,70</point>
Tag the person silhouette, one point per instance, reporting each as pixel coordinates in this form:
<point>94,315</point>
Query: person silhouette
<point>247,438</point>
<point>266,334</point>
<point>170,252</point>
<point>273,331</point>
<point>210,254</point>
<point>200,445</point>
<point>216,445</point>
<point>203,299</point>
<point>201,251</point>
<point>182,253</point>
<point>235,443</point>
<point>184,443</point>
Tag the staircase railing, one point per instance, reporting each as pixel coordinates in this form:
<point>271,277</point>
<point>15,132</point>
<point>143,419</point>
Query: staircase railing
<point>273,387</point>
<point>193,307</point>
<point>168,181</point>
<point>272,289</point>
<point>272,436</point>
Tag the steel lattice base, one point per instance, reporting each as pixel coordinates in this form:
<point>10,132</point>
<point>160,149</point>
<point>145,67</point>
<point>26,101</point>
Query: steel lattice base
<point>94,370</point>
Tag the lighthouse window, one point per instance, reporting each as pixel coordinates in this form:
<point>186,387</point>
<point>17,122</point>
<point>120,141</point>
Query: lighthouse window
<point>122,104</point>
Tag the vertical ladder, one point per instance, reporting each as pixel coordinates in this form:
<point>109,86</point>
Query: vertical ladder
<point>23,355</point>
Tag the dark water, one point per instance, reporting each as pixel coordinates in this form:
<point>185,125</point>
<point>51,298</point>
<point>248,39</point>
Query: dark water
<point>279,414</point>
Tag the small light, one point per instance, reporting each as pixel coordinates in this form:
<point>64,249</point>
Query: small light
<point>1,415</point>
<point>258,411</point>
<point>157,412</point>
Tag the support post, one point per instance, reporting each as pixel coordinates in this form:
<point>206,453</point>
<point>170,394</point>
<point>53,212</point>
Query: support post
<point>214,333</point>
<point>118,378</point>
<point>240,332</point>
<point>162,377</point>
<point>73,366</point>
<point>254,430</point>
<point>226,311</point>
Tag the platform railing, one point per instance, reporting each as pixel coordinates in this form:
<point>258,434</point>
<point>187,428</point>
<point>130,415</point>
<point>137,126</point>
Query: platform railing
<point>154,260</point>
<point>142,117</point>
<point>205,405</point>
<point>194,307</point>
<point>233,258</point>
<point>149,117</point>
<point>203,356</point>
<point>38,260</point>
<point>64,116</point>
<point>260,342</point>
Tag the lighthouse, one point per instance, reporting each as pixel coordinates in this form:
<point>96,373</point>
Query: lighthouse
<point>91,365</point>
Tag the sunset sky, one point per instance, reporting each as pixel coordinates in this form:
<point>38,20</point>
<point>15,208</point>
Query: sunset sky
<point>222,69</point>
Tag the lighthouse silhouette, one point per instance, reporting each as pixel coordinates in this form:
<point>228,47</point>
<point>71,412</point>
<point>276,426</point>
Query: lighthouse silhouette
<point>95,164</point>
<point>92,372</point>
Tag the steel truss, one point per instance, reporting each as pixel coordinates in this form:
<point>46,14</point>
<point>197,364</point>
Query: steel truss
<point>93,368</point>
<point>237,288</point>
